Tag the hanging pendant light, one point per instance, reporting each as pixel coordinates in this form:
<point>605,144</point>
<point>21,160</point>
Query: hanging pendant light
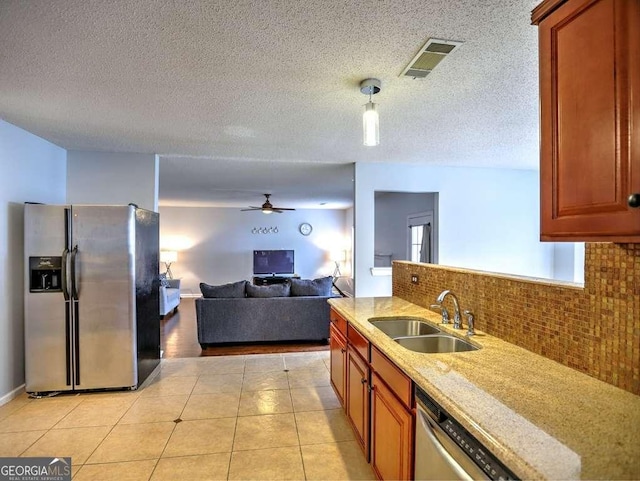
<point>370,119</point>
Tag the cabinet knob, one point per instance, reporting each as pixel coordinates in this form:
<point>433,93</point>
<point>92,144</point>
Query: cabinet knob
<point>634,200</point>
<point>363,381</point>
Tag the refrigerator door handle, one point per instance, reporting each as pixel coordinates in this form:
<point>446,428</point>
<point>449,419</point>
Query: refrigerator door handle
<point>67,333</point>
<point>76,314</point>
<point>74,274</point>
<point>76,337</point>
<point>65,280</point>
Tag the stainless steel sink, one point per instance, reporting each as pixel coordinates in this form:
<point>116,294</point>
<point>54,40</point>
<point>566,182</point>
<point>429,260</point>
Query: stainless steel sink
<point>403,327</point>
<point>435,344</point>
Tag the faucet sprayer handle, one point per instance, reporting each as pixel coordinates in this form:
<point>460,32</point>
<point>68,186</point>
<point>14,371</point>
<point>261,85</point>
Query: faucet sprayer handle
<point>470,321</point>
<point>445,313</point>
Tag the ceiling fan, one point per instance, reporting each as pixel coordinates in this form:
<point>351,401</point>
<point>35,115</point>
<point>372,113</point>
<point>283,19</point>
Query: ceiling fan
<point>267,207</point>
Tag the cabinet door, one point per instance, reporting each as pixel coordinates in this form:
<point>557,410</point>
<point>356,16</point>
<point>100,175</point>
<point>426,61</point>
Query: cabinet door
<point>391,434</point>
<point>358,397</point>
<point>590,156</point>
<point>338,352</point>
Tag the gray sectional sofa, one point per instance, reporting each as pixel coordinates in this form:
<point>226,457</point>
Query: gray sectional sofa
<point>241,312</point>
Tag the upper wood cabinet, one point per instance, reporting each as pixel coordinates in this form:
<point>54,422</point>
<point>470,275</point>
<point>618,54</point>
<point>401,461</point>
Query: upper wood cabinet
<point>590,119</point>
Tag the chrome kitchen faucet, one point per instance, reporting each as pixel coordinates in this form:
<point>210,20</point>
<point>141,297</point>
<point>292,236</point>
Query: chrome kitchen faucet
<point>457,322</point>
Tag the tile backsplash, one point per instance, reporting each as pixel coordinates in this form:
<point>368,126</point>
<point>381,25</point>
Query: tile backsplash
<point>594,329</point>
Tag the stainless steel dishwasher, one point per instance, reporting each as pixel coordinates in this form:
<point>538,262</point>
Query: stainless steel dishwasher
<point>447,451</point>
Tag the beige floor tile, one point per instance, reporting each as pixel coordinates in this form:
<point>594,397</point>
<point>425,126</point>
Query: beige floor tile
<point>264,363</point>
<point>317,398</point>
<point>343,460</point>
<point>14,444</point>
<point>253,403</point>
<point>220,364</point>
<point>133,442</point>
<point>155,409</point>
<point>261,432</point>
<point>207,467</point>
<point>308,377</point>
<point>100,411</point>
<point>218,383</point>
<point>316,427</point>
<point>294,363</point>
<point>13,406</point>
<point>39,414</point>
<point>76,443</point>
<point>170,386</point>
<point>267,464</point>
<point>178,367</point>
<point>264,381</point>
<point>128,471</point>
<point>210,406</point>
<point>203,436</point>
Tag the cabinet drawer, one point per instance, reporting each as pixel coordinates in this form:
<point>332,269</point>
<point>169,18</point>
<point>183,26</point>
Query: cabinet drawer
<point>339,321</point>
<point>398,381</point>
<point>358,342</point>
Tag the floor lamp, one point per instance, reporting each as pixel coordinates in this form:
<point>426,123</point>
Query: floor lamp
<point>168,257</point>
<point>337,257</point>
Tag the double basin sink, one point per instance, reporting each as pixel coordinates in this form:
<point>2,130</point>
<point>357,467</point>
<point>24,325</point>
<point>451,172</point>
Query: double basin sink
<point>419,336</point>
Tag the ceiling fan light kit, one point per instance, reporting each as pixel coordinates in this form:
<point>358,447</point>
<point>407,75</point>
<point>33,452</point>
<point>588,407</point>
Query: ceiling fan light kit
<point>370,118</point>
<point>267,207</point>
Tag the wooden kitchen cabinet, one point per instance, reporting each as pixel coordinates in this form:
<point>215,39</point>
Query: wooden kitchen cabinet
<point>590,119</point>
<point>357,400</point>
<point>377,397</point>
<point>392,419</point>
<point>338,361</point>
<point>391,433</point>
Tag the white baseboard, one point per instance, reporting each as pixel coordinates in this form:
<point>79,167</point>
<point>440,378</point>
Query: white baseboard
<point>189,295</point>
<point>11,395</point>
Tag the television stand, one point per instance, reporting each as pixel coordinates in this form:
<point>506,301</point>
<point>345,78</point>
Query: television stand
<point>269,280</point>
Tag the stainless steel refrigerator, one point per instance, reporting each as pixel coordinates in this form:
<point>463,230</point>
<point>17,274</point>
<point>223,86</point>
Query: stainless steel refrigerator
<point>92,315</point>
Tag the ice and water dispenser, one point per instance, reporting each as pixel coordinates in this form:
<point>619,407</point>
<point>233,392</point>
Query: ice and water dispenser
<point>45,274</point>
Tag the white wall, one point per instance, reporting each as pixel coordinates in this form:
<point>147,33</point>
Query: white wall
<point>215,245</point>
<point>488,219</point>
<point>391,211</point>
<point>33,170</point>
<point>112,178</point>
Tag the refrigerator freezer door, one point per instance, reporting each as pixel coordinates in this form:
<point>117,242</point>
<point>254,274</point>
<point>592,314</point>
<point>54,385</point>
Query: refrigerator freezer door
<point>104,280</point>
<point>47,337</point>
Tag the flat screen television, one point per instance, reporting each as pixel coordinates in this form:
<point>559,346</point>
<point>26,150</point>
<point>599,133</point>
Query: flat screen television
<point>273,262</point>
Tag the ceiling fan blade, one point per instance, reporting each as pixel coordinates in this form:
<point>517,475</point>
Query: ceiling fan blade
<point>283,208</point>
<point>251,208</point>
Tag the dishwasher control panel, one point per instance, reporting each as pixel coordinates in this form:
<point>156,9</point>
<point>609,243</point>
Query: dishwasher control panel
<point>481,456</point>
<point>490,465</point>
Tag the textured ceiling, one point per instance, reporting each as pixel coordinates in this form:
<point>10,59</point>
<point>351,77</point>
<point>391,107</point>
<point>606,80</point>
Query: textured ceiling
<point>214,83</point>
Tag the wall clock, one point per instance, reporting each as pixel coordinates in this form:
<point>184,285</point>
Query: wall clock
<point>305,228</point>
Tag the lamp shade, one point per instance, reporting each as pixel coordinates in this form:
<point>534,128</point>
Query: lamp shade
<point>168,256</point>
<point>371,125</point>
<point>339,255</point>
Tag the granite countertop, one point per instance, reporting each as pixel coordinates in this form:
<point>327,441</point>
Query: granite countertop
<point>542,419</point>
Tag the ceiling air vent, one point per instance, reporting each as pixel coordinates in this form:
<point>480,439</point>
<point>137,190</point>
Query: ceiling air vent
<point>430,55</point>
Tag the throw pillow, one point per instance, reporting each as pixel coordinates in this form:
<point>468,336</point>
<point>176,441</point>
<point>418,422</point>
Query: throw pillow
<point>164,282</point>
<point>233,289</point>
<point>274,290</point>
<point>308,287</point>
